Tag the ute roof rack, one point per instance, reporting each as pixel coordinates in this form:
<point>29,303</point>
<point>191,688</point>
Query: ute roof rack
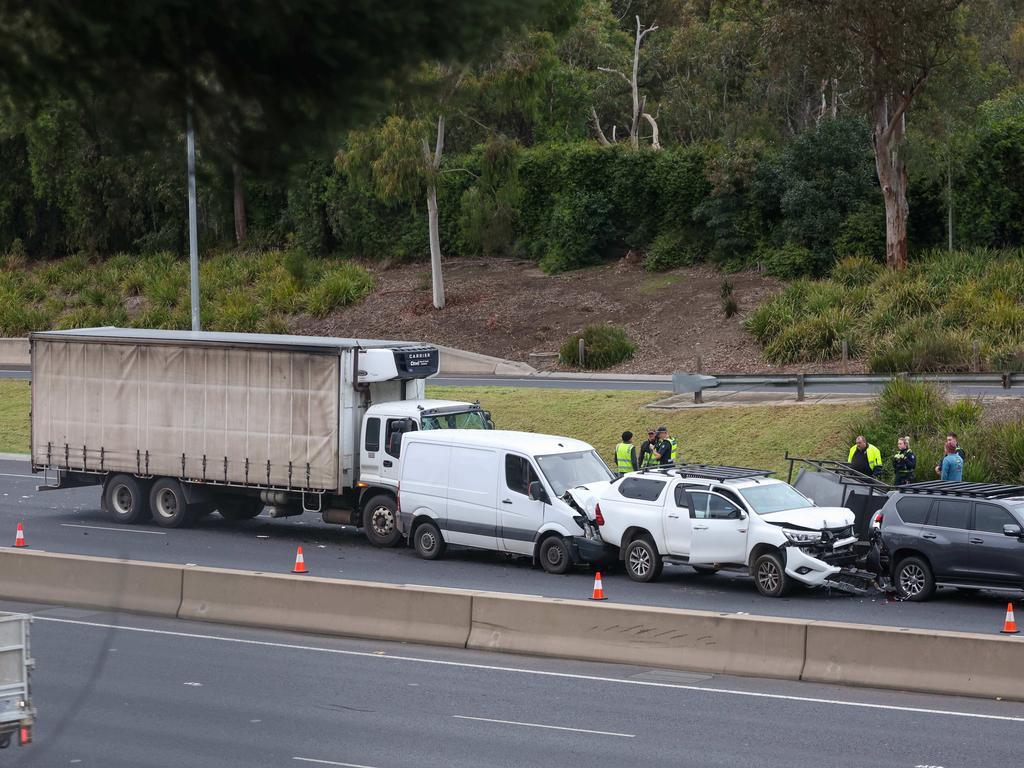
<point>973,490</point>
<point>709,471</point>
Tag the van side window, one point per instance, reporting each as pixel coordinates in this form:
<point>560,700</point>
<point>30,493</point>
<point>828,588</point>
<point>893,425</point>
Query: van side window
<point>372,435</point>
<point>519,474</point>
<point>394,444</point>
<point>641,488</point>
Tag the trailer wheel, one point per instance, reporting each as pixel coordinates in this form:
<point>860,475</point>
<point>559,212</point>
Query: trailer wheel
<point>380,521</point>
<point>126,499</point>
<point>170,507</point>
<point>240,510</point>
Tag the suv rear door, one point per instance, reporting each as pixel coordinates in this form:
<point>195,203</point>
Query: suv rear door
<point>995,557</point>
<point>944,539</point>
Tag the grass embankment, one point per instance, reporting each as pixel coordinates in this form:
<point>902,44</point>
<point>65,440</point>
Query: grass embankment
<point>756,436</point>
<point>927,318</point>
<point>13,416</point>
<point>239,291</point>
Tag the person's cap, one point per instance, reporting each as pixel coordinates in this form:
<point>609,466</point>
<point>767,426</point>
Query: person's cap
<point>663,428</point>
<point>627,436</point>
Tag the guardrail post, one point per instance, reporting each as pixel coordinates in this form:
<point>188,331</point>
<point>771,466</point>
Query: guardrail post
<point>976,358</point>
<point>799,387</point>
<point>582,353</point>
<point>1007,380</point>
<point>698,395</point>
<point>846,356</point>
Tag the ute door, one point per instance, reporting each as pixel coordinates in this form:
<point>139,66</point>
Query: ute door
<point>679,523</point>
<point>995,557</point>
<point>719,529</point>
<point>519,516</point>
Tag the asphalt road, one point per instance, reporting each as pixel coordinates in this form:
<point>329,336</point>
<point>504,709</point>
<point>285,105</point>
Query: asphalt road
<point>116,691</point>
<point>71,521</point>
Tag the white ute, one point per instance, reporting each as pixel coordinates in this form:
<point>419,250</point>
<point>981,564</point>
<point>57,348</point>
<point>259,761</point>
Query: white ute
<point>722,517</point>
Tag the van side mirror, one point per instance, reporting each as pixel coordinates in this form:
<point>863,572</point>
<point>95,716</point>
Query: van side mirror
<point>1012,530</point>
<point>537,492</point>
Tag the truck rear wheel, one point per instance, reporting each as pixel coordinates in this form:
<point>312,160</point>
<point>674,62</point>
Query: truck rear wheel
<point>170,507</point>
<point>380,521</point>
<point>127,499</point>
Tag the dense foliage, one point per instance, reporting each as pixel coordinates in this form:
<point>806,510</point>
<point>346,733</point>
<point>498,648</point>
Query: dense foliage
<point>603,347</point>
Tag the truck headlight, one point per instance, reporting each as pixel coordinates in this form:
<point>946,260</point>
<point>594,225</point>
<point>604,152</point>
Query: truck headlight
<point>803,537</point>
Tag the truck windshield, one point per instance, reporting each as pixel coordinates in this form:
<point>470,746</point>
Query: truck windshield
<point>567,470</point>
<point>465,420</point>
<point>776,497</point>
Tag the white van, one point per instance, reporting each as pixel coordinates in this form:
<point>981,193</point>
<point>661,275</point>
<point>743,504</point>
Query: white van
<point>498,490</point>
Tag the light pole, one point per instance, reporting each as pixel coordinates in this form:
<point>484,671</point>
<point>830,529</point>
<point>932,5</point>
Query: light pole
<point>193,229</point>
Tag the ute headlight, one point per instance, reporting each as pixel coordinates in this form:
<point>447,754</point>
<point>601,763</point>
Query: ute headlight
<point>803,537</point>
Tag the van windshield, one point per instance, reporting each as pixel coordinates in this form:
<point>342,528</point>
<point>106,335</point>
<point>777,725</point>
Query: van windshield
<point>774,497</point>
<point>464,420</point>
<point>567,470</point>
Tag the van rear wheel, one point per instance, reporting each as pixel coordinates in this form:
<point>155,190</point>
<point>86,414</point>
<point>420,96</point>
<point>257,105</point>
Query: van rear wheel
<point>380,521</point>
<point>554,555</point>
<point>428,542</point>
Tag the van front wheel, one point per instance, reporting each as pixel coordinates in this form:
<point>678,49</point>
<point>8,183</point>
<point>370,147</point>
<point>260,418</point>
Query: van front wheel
<point>554,555</point>
<point>428,542</point>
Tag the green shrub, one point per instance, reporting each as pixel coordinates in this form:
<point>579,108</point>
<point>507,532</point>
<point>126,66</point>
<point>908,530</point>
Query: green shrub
<point>236,311</point>
<point>338,287</point>
<point>815,339</point>
<point>670,250</point>
<point>788,261</point>
<point>296,264</point>
<point>730,307</point>
<point>921,350</point>
<point>604,346</point>
<point>855,271</point>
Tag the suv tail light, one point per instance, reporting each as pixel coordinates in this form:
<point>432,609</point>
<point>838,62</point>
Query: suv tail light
<point>878,518</point>
<point>598,517</point>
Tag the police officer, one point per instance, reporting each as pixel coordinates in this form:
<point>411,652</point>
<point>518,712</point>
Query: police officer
<point>625,454</point>
<point>665,449</point>
<point>903,462</point>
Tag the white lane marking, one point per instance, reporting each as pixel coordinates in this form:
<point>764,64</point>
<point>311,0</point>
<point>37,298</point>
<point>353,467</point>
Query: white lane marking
<point>27,477</point>
<point>540,672</point>
<point>116,530</point>
<point>329,762</point>
<point>540,725</point>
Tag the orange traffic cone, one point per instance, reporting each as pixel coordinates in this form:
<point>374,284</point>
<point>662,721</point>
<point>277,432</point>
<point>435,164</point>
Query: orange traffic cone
<point>1010,625</point>
<point>300,563</point>
<point>19,537</point>
<point>598,588</point>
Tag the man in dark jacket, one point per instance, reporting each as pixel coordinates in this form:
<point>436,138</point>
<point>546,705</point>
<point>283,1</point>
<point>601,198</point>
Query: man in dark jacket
<point>903,462</point>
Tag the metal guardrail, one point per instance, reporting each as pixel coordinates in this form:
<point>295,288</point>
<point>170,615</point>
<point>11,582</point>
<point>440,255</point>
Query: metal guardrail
<point>1005,380</point>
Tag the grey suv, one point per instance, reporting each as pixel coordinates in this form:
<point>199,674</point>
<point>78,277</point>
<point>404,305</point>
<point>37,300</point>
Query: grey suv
<point>965,535</point>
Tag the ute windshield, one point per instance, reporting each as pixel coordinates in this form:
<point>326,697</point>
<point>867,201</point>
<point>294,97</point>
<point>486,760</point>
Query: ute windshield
<point>463,420</point>
<point>774,497</point>
<point>567,470</point>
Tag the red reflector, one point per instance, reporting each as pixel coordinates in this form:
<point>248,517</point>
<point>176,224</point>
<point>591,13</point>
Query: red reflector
<point>25,737</point>
<point>878,518</point>
<point>598,517</point>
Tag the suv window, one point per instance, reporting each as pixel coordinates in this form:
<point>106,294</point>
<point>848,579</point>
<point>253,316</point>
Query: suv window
<point>913,510</point>
<point>991,519</point>
<point>950,513</point>
<point>519,474</point>
<point>641,488</point>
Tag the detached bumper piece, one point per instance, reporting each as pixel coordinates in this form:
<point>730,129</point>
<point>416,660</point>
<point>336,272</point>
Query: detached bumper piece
<point>586,550</point>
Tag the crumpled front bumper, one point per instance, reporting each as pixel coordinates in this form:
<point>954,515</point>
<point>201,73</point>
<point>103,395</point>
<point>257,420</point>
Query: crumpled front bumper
<point>815,566</point>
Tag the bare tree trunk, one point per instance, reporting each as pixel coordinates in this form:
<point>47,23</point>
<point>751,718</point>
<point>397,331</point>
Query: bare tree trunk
<point>434,163</point>
<point>634,128</point>
<point>655,142</point>
<point>949,200</point>
<point>892,177</point>
<point>241,224</point>
<point>601,138</point>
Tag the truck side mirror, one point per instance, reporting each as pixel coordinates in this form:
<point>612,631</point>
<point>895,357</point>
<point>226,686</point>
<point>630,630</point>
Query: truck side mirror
<point>537,492</point>
<point>1012,530</point>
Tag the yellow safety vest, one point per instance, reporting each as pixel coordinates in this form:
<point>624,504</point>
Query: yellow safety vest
<point>675,449</point>
<point>624,458</point>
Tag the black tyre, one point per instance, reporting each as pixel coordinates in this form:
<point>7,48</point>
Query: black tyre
<point>428,542</point>
<point>914,579</point>
<point>705,570</point>
<point>170,507</point>
<point>770,575</point>
<point>643,563</point>
<point>554,555</point>
<point>380,521</point>
<point>127,499</point>
<point>245,509</point>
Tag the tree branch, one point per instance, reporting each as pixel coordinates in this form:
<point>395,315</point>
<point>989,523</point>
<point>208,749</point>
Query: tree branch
<point>614,72</point>
<point>601,138</point>
<point>439,147</point>
<point>655,144</point>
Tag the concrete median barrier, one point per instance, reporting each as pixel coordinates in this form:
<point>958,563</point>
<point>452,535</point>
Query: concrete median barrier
<point>928,661</point>
<point>90,582</point>
<point>327,606</point>
<point>661,637</point>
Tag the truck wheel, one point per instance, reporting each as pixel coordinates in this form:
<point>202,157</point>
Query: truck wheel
<point>770,575</point>
<point>428,542</point>
<point>240,510</point>
<point>554,555</point>
<point>170,508</point>
<point>914,580</point>
<point>379,522</point>
<point>126,499</point>
<point>643,563</point>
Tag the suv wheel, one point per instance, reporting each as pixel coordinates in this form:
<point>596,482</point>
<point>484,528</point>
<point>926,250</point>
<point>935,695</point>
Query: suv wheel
<point>914,579</point>
<point>770,575</point>
<point>643,563</point>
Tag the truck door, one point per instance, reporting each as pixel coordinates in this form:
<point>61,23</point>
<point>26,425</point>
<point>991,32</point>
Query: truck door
<point>519,516</point>
<point>391,449</point>
<point>678,525</point>
<point>719,530</point>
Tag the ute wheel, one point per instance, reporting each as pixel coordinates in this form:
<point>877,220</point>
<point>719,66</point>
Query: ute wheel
<point>643,563</point>
<point>126,499</point>
<point>246,509</point>
<point>170,507</point>
<point>554,555</point>
<point>380,522</point>
<point>914,580</point>
<point>428,542</point>
<point>770,575</point>
<point>705,570</point>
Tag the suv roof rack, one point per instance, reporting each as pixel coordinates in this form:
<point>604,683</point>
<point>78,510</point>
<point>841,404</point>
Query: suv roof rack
<point>974,490</point>
<point>709,471</point>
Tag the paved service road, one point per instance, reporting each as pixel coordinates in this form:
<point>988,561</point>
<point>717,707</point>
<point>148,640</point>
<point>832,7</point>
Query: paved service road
<point>71,521</point>
<point>119,691</point>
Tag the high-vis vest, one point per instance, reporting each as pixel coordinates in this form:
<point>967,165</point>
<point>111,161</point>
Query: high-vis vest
<point>675,449</point>
<point>624,458</point>
<point>874,456</point>
<point>649,460</point>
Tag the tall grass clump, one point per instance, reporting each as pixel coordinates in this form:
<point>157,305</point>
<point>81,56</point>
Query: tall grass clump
<point>603,347</point>
<point>338,287</point>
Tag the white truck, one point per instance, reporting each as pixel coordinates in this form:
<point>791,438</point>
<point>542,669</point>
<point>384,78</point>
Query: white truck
<point>16,712</point>
<point>713,517</point>
<point>177,424</point>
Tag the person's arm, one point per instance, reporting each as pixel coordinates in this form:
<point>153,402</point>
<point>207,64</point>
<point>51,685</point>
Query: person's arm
<point>911,461</point>
<point>944,472</point>
<point>632,457</point>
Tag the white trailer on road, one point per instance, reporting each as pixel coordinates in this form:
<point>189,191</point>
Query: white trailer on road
<point>16,712</point>
<point>177,424</point>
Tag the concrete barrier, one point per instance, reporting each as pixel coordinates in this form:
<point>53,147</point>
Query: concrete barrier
<point>14,352</point>
<point>90,582</point>
<point>455,362</point>
<point>661,637</point>
<point>956,663</point>
<point>327,606</point>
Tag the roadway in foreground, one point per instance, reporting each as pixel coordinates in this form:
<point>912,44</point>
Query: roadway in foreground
<point>70,521</point>
<point>126,691</point>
